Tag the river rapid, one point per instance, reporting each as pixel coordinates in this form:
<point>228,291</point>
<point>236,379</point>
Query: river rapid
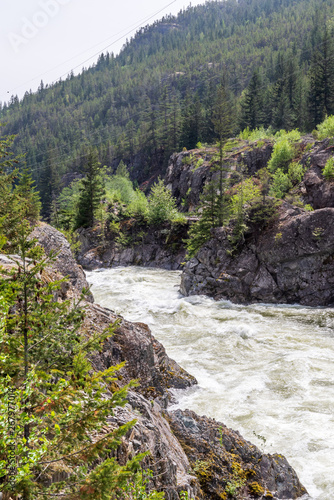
<point>266,371</point>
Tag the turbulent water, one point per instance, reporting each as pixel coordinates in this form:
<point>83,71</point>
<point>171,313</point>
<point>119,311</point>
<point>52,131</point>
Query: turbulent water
<point>264,370</point>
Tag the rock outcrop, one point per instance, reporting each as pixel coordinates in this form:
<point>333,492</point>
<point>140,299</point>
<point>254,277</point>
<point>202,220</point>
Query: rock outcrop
<point>315,189</point>
<point>225,463</point>
<point>54,241</point>
<point>189,171</point>
<point>149,246</point>
<point>289,262</point>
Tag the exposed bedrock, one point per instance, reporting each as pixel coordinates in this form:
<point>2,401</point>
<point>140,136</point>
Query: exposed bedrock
<point>290,262</point>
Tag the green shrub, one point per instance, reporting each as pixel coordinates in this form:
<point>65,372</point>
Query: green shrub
<point>328,171</point>
<point>326,128</point>
<point>246,192</point>
<point>188,160</point>
<point>281,184</point>
<point>138,207</point>
<point>256,135</point>
<point>121,187</point>
<point>199,163</point>
<point>292,135</point>
<point>296,172</point>
<point>281,156</point>
<point>162,206</point>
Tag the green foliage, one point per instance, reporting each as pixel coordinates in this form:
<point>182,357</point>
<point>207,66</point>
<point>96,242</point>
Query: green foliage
<point>188,159</point>
<point>65,208</point>
<point>18,199</point>
<point>261,213</point>
<point>238,480</point>
<point>138,489</point>
<point>138,207</point>
<point>326,128</point>
<point>281,183</point>
<point>252,103</point>
<point>328,171</point>
<point>122,170</point>
<point>281,156</point>
<point>247,191</point>
<point>30,200</point>
<point>162,206</point>
<point>213,210</point>
<point>91,192</point>
<point>292,135</point>
<point>198,164</point>
<point>58,401</point>
<point>120,188</point>
<point>256,134</point>
<point>296,172</point>
<point>222,114</point>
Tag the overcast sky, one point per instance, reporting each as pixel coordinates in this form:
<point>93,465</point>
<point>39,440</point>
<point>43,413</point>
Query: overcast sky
<point>45,39</point>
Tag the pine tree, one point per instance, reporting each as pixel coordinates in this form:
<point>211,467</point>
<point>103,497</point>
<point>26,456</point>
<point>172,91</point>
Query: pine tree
<point>51,401</point>
<point>252,115</point>
<point>53,405</point>
<point>91,192</point>
<point>223,126</point>
<point>122,170</point>
<point>321,94</point>
<point>25,190</point>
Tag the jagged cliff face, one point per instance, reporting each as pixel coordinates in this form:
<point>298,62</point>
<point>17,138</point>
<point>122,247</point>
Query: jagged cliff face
<point>151,246</point>
<point>187,452</point>
<point>187,175</point>
<point>290,261</point>
<point>314,188</point>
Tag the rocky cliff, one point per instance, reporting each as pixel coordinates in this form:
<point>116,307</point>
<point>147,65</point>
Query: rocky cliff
<point>187,452</point>
<point>155,246</point>
<point>289,261</point>
<point>189,171</point>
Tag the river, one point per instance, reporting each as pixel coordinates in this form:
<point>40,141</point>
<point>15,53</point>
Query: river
<point>266,371</point>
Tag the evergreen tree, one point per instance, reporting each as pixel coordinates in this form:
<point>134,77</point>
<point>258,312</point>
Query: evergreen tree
<point>252,114</point>
<point>223,126</point>
<point>51,400</point>
<point>53,405</point>
<point>122,170</point>
<point>321,95</point>
<point>92,191</point>
<point>162,206</point>
<point>18,198</point>
<point>25,190</point>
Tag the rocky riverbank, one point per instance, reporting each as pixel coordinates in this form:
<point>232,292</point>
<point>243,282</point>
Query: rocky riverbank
<point>187,452</point>
<point>156,246</point>
<point>289,262</point>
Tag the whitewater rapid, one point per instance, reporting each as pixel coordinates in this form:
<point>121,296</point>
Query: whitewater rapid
<point>266,371</point>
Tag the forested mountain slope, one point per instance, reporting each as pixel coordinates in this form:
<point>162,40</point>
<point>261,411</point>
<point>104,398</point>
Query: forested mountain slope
<point>158,95</point>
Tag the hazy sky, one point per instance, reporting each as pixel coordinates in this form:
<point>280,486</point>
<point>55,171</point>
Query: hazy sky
<point>45,39</point>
